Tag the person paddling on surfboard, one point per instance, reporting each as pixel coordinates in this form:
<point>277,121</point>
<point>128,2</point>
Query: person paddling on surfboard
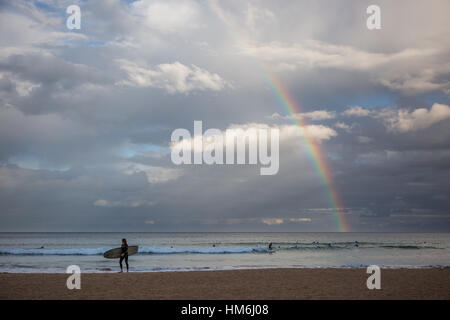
<point>124,254</point>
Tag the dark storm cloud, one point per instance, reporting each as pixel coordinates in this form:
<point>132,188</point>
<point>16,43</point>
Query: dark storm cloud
<point>86,116</point>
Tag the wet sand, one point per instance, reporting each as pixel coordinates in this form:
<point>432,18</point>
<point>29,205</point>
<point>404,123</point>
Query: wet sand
<point>233,284</point>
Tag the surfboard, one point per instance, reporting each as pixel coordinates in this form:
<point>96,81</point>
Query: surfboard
<point>115,253</point>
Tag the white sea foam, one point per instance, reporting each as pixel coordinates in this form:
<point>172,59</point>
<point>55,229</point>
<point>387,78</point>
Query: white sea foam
<point>57,252</point>
<point>142,250</point>
<point>161,252</point>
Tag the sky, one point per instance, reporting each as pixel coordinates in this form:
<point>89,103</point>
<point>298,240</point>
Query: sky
<point>86,115</point>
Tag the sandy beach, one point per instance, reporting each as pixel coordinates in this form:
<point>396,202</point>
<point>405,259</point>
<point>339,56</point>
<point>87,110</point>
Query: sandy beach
<point>233,284</point>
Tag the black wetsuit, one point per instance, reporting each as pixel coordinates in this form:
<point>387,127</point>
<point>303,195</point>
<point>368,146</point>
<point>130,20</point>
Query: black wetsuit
<point>124,255</point>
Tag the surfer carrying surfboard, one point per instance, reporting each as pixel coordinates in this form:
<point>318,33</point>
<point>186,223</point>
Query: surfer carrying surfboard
<point>123,254</point>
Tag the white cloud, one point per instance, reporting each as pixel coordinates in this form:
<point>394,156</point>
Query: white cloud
<point>101,203</point>
<point>403,121</point>
<point>160,174</point>
<point>156,174</point>
<point>124,203</point>
<point>316,132</point>
<point>313,115</point>
<point>299,219</point>
<point>313,53</point>
<point>272,221</point>
<point>23,87</point>
<point>288,133</point>
<point>168,16</point>
<point>343,126</point>
<point>411,70</point>
<point>418,81</point>
<point>357,111</point>
<point>278,221</point>
<point>173,77</point>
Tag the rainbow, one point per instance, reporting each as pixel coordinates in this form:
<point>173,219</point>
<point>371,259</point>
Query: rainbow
<point>290,106</point>
<point>313,149</point>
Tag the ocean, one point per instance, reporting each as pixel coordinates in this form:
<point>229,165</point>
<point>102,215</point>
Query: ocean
<point>54,252</point>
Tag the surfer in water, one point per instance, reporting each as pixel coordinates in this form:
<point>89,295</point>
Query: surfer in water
<point>124,254</point>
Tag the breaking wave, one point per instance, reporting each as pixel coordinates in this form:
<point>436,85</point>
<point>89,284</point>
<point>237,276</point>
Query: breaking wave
<point>221,250</point>
<point>142,250</point>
